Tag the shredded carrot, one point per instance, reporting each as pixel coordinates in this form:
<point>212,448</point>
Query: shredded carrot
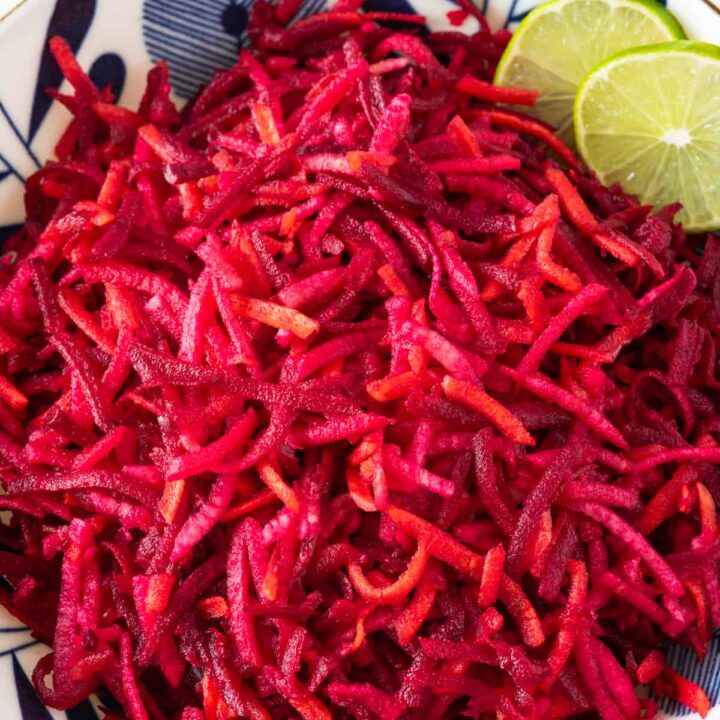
<point>439,544</point>
<point>492,576</point>
<point>398,590</point>
<point>270,476</point>
<point>498,414</point>
<point>277,316</point>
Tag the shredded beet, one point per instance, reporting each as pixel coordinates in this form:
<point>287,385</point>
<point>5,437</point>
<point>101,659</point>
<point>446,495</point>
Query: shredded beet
<point>347,392</point>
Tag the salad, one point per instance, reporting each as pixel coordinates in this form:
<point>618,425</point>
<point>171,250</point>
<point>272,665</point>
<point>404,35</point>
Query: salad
<point>349,390</point>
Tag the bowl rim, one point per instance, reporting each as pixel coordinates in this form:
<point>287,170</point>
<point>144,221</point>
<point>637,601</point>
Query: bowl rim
<point>13,9</point>
<point>712,4</point>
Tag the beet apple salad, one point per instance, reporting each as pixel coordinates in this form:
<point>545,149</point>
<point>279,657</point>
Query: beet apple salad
<point>349,391</point>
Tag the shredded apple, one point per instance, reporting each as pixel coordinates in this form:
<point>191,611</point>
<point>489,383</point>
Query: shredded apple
<point>348,392</point>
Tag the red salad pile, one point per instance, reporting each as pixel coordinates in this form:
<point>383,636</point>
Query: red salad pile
<point>347,392</point>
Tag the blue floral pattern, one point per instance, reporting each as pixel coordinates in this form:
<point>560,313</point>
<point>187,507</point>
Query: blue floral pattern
<point>71,19</point>
<point>194,37</point>
<point>194,44</point>
<point>706,674</point>
<point>30,705</point>
<point>18,654</point>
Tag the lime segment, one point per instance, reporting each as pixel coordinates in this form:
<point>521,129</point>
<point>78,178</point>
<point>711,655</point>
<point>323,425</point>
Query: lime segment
<point>560,41</point>
<point>649,119</point>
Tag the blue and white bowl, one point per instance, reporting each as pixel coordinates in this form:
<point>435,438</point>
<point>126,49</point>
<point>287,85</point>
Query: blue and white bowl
<point>118,40</point>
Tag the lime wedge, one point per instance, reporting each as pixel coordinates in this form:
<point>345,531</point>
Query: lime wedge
<point>649,119</point>
<point>559,42</point>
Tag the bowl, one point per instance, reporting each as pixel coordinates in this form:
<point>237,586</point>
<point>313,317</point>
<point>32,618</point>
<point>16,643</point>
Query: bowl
<point>118,42</point>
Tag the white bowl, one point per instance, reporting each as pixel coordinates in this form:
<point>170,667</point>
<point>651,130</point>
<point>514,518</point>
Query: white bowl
<point>119,40</point>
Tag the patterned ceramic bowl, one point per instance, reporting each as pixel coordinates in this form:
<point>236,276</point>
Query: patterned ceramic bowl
<point>118,40</point>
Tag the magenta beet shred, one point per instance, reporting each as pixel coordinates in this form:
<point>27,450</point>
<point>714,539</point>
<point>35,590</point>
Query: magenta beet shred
<point>348,392</point>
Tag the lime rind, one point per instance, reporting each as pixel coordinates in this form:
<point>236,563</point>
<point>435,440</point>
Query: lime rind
<point>697,47</point>
<point>663,141</point>
<point>561,40</point>
<point>661,13</point>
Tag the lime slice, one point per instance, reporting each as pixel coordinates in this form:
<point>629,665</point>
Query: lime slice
<point>649,119</point>
<point>559,42</point>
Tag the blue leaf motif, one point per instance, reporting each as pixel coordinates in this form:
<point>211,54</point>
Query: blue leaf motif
<point>83,711</point>
<point>108,70</point>
<point>30,705</point>
<point>516,14</point>
<point>71,19</point>
<point>195,38</point>
<point>399,6</point>
<point>8,168</point>
<point>235,19</point>
<point>109,702</point>
<point>4,173</point>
